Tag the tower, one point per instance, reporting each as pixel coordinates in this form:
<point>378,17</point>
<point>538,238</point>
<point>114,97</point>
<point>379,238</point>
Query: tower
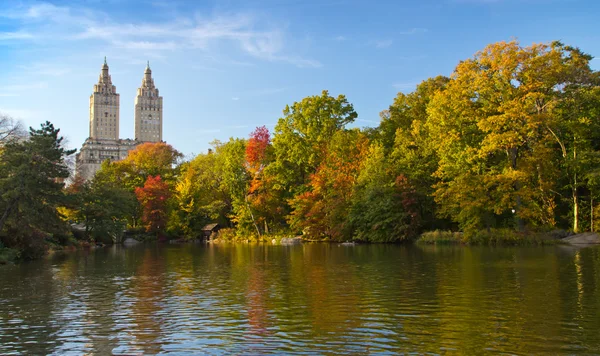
<point>104,108</point>
<point>148,111</point>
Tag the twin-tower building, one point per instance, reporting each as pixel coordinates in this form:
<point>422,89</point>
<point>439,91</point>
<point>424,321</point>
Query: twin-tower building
<point>103,142</point>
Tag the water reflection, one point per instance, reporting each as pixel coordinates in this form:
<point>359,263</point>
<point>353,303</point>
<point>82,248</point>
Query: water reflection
<point>257,299</point>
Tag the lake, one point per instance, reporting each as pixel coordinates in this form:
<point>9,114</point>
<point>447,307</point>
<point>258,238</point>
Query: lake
<point>305,299</point>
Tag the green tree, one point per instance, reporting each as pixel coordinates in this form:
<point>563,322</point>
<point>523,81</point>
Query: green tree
<point>102,207</point>
<point>32,172</point>
<point>384,208</point>
<point>406,138</point>
<point>302,135</point>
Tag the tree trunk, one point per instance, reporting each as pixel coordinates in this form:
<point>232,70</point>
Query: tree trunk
<point>513,164</point>
<point>252,216</point>
<point>7,212</point>
<point>575,197</point>
<point>575,211</point>
<point>591,211</point>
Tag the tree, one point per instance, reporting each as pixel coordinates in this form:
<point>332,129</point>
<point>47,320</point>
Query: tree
<point>384,208</point>
<point>31,180</point>
<point>10,130</point>
<point>492,130</point>
<point>322,211</point>
<point>199,196</point>
<point>153,197</point>
<point>258,149</point>
<point>302,135</point>
<point>102,207</point>
<point>147,159</point>
<point>406,139</point>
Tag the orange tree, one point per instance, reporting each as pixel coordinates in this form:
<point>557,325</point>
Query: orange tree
<point>153,197</point>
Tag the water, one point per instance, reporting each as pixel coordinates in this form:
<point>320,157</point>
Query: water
<point>308,299</point>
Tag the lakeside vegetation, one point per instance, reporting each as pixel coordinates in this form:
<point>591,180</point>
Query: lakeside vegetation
<point>503,151</point>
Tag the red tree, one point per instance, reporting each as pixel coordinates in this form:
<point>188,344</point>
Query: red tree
<point>256,149</point>
<point>153,198</point>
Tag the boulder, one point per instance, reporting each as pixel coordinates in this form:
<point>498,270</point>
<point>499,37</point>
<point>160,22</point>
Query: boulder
<point>130,241</point>
<point>586,238</point>
<point>291,240</point>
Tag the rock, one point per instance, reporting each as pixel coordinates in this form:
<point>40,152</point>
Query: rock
<point>130,241</point>
<point>586,238</point>
<point>291,240</point>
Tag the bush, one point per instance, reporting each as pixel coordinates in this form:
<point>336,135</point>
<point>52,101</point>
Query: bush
<point>8,255</point>
<point>503,237</point>
<point>440,237</point>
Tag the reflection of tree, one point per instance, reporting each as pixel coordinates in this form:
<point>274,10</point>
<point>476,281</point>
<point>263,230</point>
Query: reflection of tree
<point>256,295</point>
<point>333,289</point>
<point>147,289</point>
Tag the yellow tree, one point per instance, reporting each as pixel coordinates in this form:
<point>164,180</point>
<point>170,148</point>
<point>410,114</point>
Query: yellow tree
<point>492,131</point>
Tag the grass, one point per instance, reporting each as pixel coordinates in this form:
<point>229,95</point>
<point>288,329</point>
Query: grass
<point>501,237</point>
<point>233,235</point>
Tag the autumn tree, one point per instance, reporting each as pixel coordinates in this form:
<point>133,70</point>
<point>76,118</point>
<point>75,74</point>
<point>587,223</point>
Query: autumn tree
<point>199,195</point>
<point>322,211</point>
<point>153,197</point>
<point>147,159</point>
<point>302,135</point>
<point>492,130</point>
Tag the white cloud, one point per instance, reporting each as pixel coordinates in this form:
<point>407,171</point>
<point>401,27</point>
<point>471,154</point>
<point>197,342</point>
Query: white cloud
<point>24,87</point>
<point>405,86</point>
<point>208,131</point>
<point>47,69</point>
<point>19,35</point>
<point>383,43</point>
<point>49,24</point>
<point>414,31</point>
<point>23,114</point>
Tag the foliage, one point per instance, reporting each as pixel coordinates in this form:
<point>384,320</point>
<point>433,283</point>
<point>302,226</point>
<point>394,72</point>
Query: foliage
<point>438,237</point>
<point>504,149</point>
<point>492,129</point>
<point>494,237</point>
<point>322,211</point>
<point>302,135</point>
<point>153,197</point>
<point>102,207</point>
<point>31,181</point>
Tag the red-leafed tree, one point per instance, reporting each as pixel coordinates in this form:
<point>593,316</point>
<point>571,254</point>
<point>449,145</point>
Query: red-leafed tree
<point>256,149</point>
<point>153,197</point>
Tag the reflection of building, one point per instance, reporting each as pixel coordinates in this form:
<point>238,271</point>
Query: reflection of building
<point>103,142</point>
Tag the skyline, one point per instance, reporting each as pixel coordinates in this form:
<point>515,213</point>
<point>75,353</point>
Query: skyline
<point>226,67</point>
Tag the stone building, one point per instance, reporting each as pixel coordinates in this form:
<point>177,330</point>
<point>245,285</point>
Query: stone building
<point>104,142</point>
<point>148,110</point>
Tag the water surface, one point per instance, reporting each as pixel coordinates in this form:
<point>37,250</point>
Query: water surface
<point>309,299</point>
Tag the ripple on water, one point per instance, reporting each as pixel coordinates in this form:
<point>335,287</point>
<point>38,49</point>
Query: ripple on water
<point>307,299</point>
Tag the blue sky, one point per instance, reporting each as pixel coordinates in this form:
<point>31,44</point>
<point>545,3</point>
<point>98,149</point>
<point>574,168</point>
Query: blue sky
<point>227,66</point>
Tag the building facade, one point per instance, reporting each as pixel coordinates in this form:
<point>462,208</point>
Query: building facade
<point>104,108</point>
<point>148,110</point>
<point>103,142</point>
